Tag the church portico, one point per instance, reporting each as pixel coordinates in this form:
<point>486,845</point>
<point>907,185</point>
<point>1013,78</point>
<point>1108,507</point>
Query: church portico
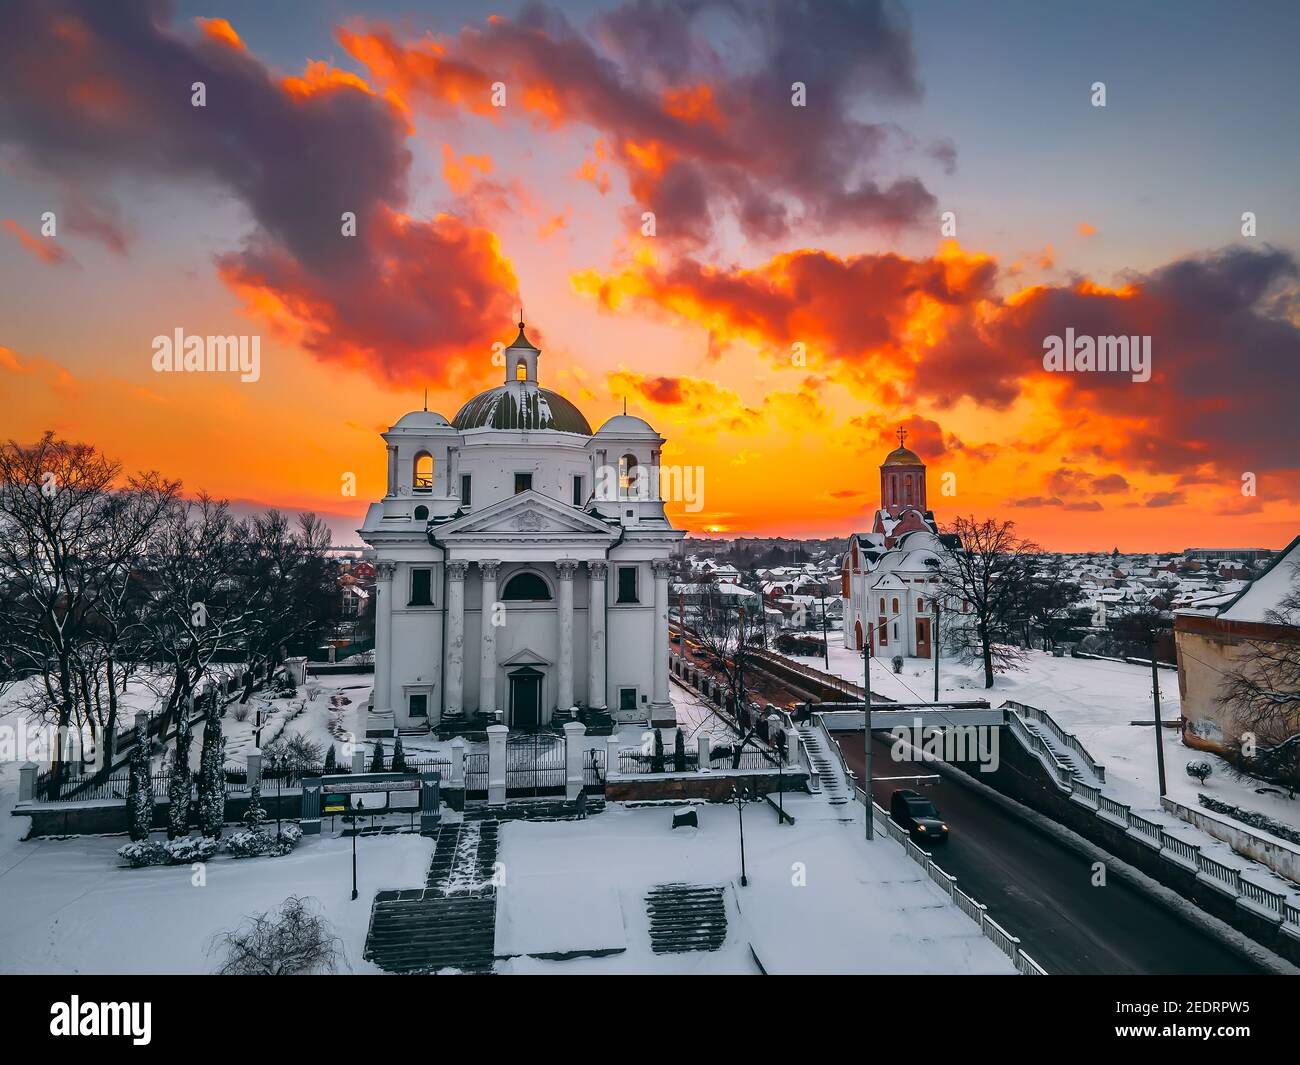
<point>531,591</point>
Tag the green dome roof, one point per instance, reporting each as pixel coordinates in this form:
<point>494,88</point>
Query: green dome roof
<point>521,405</point>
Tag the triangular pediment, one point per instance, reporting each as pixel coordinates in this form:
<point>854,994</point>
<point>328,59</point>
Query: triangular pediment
<point>528,514</point>
<point>526,657</point>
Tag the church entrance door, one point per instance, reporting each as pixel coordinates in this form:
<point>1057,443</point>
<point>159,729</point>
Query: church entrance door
<point>922,637</point>
<point>526,698</point>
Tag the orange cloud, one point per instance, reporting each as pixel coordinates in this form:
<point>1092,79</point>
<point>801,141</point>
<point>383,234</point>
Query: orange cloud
<point>46,249</point>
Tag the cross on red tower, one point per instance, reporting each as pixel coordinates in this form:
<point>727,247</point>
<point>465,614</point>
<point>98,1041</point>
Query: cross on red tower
<point>902,435</point>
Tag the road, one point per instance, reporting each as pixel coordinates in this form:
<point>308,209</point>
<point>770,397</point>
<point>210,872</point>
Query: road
<point>1041,890</point>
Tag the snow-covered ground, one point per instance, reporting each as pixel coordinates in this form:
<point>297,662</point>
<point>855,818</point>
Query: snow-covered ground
<point>820,898</point>
<point>1096,700</point>
<point>71,908</point>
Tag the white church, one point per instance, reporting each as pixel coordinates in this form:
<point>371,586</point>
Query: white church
<point>890,575</point>
<point>522,565</point>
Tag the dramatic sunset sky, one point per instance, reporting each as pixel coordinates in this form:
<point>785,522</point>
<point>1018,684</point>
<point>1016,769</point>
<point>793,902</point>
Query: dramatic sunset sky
<point>777,229</point>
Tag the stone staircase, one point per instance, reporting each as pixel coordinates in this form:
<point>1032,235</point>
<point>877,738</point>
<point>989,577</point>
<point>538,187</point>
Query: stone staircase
<point>686,917</point>
<point>833,784</point>
<point>1068,758</point>
<point>450,923</point>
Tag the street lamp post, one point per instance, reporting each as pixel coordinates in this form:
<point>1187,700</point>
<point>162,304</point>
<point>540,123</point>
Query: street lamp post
<point>355,812</point>
<point>740,811</point>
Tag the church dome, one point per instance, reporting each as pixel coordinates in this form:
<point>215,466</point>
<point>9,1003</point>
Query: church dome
<point>626,425</point>
<point>422,419</point>
<point>522,405</point>
<point>902,456</point>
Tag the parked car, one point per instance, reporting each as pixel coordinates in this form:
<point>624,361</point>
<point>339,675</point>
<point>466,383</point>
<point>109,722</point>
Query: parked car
<point>917,814</point>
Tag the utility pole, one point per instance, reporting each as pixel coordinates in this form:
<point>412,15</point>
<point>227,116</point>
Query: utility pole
<point>826,647</point>
<point>935,601</point>
<point>866,705</point>
<point>1160,740</point>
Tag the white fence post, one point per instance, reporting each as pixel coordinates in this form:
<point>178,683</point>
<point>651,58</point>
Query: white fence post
<point>497,764</point>
<point>611,757</point>
<point>574,731</point>
<point>702,748</point>
<point>458,762</point>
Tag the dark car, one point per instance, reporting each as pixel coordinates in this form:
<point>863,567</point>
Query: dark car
<point>917,814</point>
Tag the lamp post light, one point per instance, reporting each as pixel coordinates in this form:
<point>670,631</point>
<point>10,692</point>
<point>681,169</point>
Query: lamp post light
<point>355,829</point>
<point>739,800</point>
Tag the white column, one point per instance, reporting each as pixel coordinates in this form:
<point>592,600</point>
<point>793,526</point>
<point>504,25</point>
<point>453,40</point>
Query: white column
<point>384,636</point>
<point>573,751</point>
<point>454,677</point>
<point>661,707</point>
<point>487,668</point>
<point>564,680</point>
<point>596,695</point>
<point>497,764</point>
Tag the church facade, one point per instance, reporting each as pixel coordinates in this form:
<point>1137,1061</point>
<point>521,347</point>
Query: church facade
<point>522,564</point>
<point>890,575</point>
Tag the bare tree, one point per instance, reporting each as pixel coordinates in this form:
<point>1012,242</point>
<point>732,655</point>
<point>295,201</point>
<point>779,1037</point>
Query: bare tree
<point>1053,603</point>
<point>1263,694</point>
<point>989,573</point>
<point>722,629</point>
<point>198,612</point>
<point>293,941</point>
<point>52,507</point>
<point>292,591</point>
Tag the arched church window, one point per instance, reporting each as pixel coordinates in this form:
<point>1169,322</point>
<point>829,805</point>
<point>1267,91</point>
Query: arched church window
<point>521,370</point>
<point>421,513</point>
<point>629,477</point>
<point>526,588</point>
<point>422,479</point>
<point>893,489</point>
<point>907,489</point>
<point>895,610</point>
<point>882,604</point>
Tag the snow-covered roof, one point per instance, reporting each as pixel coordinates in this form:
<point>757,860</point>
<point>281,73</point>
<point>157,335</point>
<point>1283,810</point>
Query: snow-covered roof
<point>1265,593</point>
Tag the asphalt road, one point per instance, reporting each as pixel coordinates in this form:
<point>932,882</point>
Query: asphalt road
<point>1041,890</point>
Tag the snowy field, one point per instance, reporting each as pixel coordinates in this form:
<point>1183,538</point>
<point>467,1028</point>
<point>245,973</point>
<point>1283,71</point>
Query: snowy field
<point>1095,700</point>
<point>71,908</point>
<point>865,908</point>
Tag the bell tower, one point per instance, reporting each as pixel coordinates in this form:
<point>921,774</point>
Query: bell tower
<point>521,358</point>
<point>902,479</point>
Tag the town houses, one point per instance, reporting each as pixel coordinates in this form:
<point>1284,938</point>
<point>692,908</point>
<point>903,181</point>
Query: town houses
<point>522,565</point>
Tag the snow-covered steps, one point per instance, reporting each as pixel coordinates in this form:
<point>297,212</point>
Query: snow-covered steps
<point>424,932</point>
<point>463,858</point>
<point>686,917</point>
<point>1065,755</point>
<point>451,922</point>
<point>831,781</point>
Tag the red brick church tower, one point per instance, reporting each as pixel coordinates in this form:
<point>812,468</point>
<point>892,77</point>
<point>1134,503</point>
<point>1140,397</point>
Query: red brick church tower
<point>902,493</point>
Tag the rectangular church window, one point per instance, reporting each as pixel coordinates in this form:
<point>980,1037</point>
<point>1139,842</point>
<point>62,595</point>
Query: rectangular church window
<point>421,587</point>
<point>627,698</point>
<point>419,706</point>
<point>627,584</point>
<point>577,491</point>
<point>523,482</point>
<point>464,490</point>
